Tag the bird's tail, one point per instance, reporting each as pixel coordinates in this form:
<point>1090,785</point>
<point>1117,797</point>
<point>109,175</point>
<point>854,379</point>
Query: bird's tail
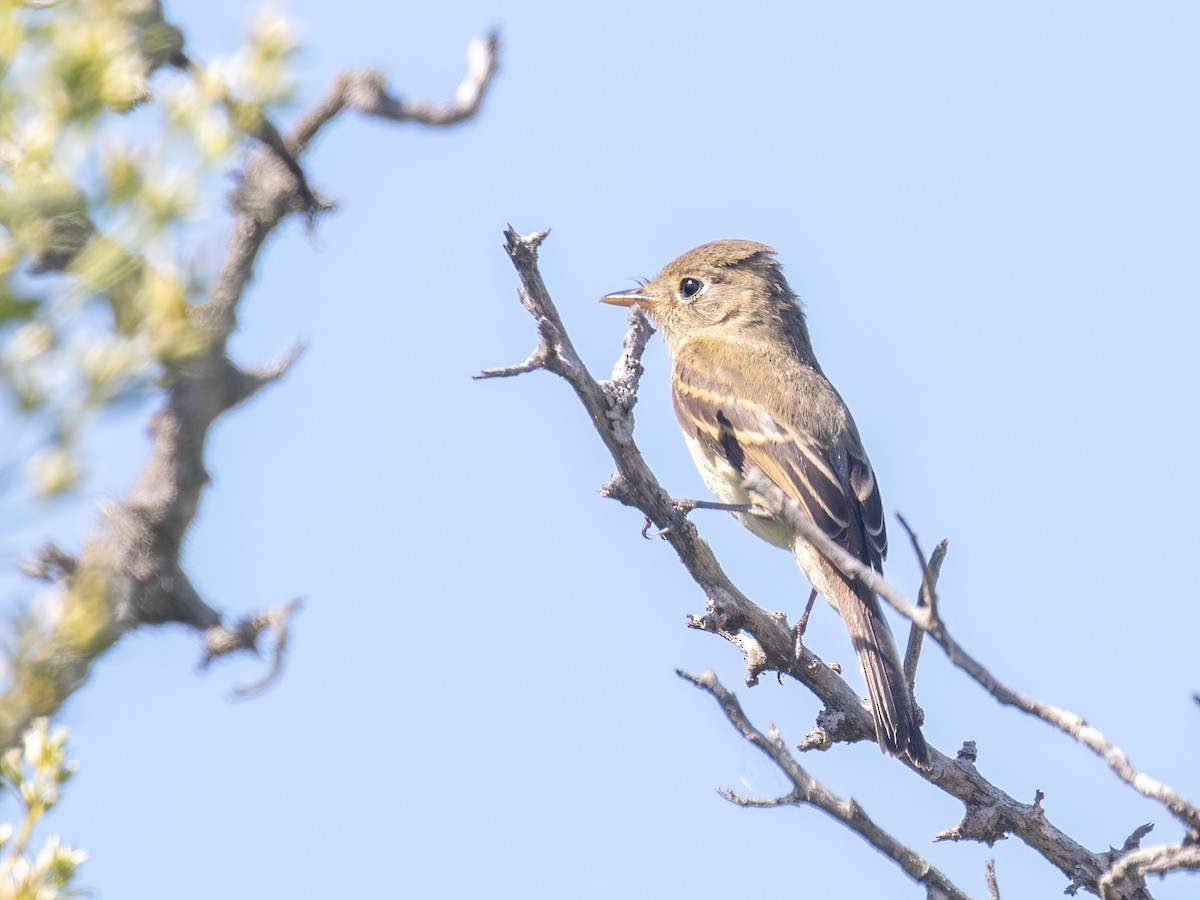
<point>895,719</point>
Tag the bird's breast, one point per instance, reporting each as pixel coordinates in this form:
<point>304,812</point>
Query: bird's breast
<point>729,485</point>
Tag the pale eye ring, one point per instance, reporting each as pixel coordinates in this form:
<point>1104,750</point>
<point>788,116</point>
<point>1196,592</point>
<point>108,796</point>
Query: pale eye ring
<point>689,287</point>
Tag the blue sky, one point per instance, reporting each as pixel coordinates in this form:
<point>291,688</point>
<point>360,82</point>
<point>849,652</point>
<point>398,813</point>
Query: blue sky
<point>991,214</point>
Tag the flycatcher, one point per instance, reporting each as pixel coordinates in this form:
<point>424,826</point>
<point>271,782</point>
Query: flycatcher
<point>767,429</point>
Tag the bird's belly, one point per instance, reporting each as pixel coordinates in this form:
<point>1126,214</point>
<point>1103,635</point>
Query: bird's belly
<point>729,486</point>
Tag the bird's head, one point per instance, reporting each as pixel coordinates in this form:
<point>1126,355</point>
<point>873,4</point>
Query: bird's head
<point>721,288</point>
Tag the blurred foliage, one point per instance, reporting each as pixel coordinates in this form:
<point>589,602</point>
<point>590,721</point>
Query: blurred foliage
<point>51,644</point>
<point>34,771</point>
<point>113,146</point>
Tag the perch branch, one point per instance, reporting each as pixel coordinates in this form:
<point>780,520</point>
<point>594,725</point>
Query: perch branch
<point>765,639</point>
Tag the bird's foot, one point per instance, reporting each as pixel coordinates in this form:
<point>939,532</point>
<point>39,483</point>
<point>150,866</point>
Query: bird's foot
<point>683,507</point>
<point>801,626</point>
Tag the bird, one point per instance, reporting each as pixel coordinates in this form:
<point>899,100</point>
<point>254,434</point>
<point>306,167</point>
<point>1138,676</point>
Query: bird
<point>771,435</point>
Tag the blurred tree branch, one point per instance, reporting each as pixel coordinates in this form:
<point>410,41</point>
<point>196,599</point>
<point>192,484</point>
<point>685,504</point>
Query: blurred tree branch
<point>768,643</point>
<point>129,573</point>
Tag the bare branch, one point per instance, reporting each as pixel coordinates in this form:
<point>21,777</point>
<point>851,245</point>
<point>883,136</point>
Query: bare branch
<point>916,634</point>
<point>627,371</point>
<point>50,564</point>
<point>221,641</point>
<point>251,381</point>
<point>1134,865</point>
<point>366,92</point>
<point>807,790</point>
<point>989,877</point>
<point>928,592</point>
<point>536,360</point>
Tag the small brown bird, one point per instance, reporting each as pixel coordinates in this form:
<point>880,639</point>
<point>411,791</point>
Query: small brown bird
<point>767,429</point>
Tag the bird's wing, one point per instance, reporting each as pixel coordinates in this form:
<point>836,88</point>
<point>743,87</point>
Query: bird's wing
<point>832,480</point>
<point>870,506</point>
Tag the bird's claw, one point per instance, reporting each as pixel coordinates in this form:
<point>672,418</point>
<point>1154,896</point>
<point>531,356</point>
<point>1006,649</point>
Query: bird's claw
<point>658,532</point>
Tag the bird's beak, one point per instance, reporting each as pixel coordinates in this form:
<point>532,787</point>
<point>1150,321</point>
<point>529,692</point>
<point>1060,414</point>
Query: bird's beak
<point>634,297</point>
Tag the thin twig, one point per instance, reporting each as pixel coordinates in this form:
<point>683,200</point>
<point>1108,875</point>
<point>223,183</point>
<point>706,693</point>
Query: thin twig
<point>367,93</point>
<point>931,569</point>
<point>807,790</point>
<point>989,876</point>
<point>277,622</point>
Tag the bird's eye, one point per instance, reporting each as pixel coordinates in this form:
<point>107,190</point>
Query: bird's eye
<point>689,287</point>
